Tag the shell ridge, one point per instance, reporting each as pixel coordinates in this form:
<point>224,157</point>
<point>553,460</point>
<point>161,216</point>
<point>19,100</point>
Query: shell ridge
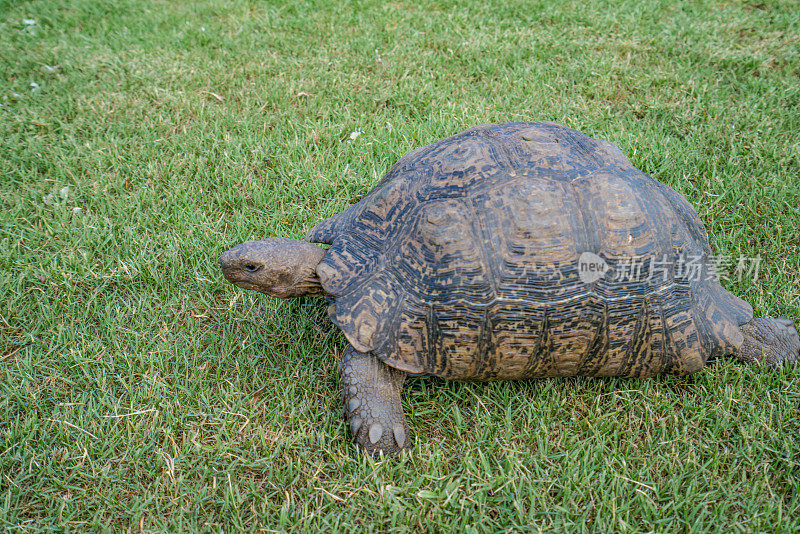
<point>634,364</point>
<point>488,262</point>
<point>594,348</point>
<point>589,223</point>
<point>542,355</point>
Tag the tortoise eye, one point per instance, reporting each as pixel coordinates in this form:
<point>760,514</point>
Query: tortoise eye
<point>251,267</point>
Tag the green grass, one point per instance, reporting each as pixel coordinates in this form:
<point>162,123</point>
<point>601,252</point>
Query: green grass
<point>140,391</point>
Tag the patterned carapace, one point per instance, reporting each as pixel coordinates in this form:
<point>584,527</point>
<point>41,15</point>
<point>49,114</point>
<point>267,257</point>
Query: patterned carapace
<point>463,263</point>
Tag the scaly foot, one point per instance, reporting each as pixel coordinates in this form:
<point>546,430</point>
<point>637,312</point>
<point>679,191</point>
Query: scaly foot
<point>769,340</point>
<point>372,403</point>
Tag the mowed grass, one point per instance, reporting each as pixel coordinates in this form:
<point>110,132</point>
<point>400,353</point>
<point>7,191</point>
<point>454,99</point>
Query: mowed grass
<point>140,391</point>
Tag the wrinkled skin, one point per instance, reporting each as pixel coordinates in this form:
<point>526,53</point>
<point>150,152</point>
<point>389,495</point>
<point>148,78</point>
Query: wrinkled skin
<point>372,403</point>
<point>769,341</point>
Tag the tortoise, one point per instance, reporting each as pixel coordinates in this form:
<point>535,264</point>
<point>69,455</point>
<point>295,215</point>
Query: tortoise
<point>500,253</point>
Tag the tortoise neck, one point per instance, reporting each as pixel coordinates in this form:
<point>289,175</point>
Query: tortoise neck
<point>305,257</point>
<point>308,284</point>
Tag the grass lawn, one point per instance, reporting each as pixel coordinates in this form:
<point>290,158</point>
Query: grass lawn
<point>139,139</point>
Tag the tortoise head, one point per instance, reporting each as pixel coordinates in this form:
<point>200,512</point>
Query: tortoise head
<point>277,266</point>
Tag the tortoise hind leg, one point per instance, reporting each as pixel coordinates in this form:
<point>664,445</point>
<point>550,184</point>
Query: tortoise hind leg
<point>769,340</point>
<point>372,403</point>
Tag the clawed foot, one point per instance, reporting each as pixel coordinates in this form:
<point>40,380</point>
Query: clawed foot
<point>769,340</point>
<point>372,403</point>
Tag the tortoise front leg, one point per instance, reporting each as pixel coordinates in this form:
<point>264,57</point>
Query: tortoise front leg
<point>769,340</point>
<point>372,403</point>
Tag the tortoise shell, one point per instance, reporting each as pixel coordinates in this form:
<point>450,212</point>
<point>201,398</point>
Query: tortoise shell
<point>465,262</point>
